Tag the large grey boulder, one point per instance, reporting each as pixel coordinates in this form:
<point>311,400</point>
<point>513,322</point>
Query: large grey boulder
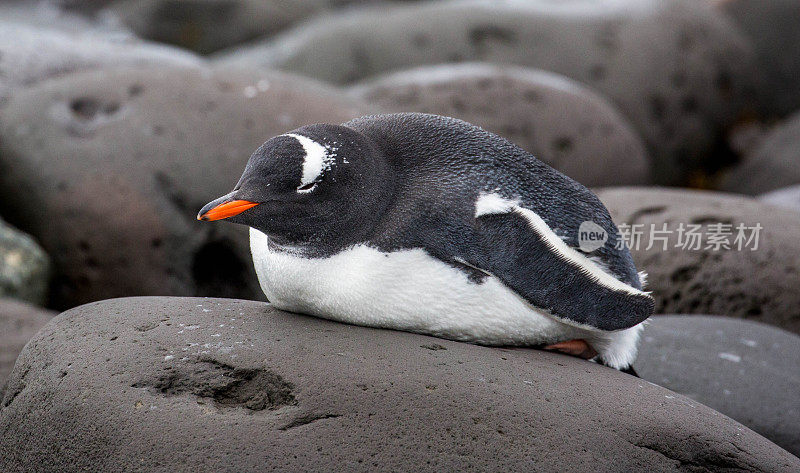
<point>18,323</point>
<point>745,370</point>
<point>30,54</point>
<point>774,163</point>
<point>223,385</point>
<point>107,169</point>
<point>677,69</point>
<point>773,27</point>
<point>558,120</point>
<point>24,266</point>
<point>739,281</point>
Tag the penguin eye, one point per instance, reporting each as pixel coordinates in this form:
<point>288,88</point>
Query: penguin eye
<point>306,188</point>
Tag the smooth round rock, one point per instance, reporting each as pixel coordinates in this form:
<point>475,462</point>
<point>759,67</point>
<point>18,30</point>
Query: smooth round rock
<point>745,370</point>
<point>108,169</point>
<point>18,323</point>
<point>760,285</point>
<point>773,27</point>
<point>556,119</point>
<point>210,25</point>
<point>678,69</point>
<point>71,16</point>
<point>224,385</point>
<point>773,164</point>
<point>30,54</point>
<point>788,197</point>
<point>24,266</point>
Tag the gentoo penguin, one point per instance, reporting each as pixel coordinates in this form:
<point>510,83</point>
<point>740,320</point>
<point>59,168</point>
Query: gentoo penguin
<point>432,225</point>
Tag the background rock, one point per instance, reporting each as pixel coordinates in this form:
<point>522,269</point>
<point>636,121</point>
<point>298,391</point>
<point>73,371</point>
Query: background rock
<point>759,285</point>
<point>29,54</point>
<point>745,370</point>
<point>558,120</point>
<point>239,386</point>
<point>69,16</point>
<point>209,25</point>
<point>18,323</point>
<point>788,197</point>
<point>773,164</point>
<point>24,266</point>
<point>677,69</point>
<point>773,26</point>
<point>108,169</point>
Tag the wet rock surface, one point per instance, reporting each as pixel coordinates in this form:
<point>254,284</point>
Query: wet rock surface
<point>24,266</point>
<point>772,164</point>
<point>556,119</point>
<point>758,284</point>
<point>108,169</point>
<point>678,70</point>
<point>745,370</point>
<point>19,322</point>
<point>156,383</point>
<point>30,54</point>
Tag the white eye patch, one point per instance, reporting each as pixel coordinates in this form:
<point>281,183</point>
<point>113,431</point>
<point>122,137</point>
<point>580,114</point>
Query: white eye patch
<point>317,161</point>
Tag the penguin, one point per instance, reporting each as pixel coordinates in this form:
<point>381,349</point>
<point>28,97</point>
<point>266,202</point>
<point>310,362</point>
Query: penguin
<point>429,224</point>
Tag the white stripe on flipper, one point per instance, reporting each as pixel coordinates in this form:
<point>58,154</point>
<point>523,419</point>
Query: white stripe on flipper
<point>491,203</point>
<point>317,159</point>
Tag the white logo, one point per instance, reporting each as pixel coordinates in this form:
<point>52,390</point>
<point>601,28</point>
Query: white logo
<point>591,236</point>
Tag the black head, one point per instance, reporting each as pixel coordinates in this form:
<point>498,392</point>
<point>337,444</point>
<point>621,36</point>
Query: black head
<point>315,183</point>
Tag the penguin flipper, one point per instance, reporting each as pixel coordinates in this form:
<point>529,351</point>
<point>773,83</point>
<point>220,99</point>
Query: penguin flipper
<point>522,251</point>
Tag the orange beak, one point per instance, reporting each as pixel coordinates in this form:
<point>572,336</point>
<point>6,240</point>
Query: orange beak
<point>228,209</point>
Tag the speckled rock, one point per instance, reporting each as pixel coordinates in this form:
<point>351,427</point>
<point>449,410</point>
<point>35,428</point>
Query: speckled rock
<point>760,285</point>
<point>773,26</point>
<point>108,169</point>
<point>18,323</point>
<point>788,197</point>
<point>210,25</point>
<point>558,120</point>
<point>220,385</point>
<point>677,69</point>
<point>773,164</point>
<point>29,54</point>
<point>24,266</point>
<point>745,370</point>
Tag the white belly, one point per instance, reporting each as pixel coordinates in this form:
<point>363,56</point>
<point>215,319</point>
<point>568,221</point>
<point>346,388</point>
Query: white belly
<point>408,290</point>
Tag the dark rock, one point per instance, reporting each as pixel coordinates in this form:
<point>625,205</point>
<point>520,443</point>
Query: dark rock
<point>108,169</point>
<point>24,266</point>
<point>760,285</point>
<point>18,323</point>
<point>745,370</point>
<point>210,25</point>
<point>773,164</point>
<point>679,70</point>
<point>773,27</point>
<point>788,197</point>
<point>30,54</point>
<point>222,385</point>
<point>558,120</point>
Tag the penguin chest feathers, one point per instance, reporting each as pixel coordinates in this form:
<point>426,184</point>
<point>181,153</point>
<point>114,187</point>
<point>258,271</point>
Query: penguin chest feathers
<point>405,290</point>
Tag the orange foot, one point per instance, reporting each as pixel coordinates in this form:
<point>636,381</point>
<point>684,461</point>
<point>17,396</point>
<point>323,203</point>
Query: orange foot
<point>578,347</point>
